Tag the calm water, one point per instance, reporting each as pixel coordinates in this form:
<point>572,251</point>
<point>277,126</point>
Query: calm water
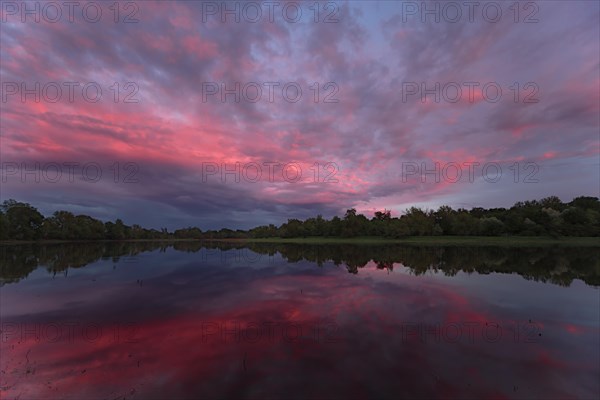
<point>108,321</point>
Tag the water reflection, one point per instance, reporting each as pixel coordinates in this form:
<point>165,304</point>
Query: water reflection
<point>558,265</point>
<point>223,320</point>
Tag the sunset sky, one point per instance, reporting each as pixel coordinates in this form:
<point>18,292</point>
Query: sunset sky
<point>369,131</point>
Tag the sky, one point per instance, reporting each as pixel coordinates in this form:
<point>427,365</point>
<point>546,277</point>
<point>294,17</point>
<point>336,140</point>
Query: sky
<point>238,114</point>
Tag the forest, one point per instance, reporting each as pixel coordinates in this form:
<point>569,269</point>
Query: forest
<point>546,217</point>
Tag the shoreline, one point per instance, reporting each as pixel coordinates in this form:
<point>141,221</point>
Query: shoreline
<point>507,241</point>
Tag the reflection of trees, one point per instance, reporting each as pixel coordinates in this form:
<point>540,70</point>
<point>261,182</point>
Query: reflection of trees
<point>18,261</point>
<point>558,265</point>
<point>189,247</point>
<point>389,266</point>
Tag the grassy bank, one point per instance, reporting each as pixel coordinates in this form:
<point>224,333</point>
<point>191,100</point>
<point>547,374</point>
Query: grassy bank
<point>57,241</point>
<point>444,241</point>
<point>512,241</point>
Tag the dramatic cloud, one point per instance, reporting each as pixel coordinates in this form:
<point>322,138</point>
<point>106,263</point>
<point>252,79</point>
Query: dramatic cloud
<point>361,98</point>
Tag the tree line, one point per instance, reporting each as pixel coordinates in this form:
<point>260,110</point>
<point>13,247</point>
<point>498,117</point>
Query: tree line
<point>546,217</point>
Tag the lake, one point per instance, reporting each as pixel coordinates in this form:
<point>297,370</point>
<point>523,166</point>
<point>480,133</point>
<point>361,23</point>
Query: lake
<point>223,320</point>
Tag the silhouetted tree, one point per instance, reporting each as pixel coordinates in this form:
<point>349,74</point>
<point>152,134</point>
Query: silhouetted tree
<point>23,220</point>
